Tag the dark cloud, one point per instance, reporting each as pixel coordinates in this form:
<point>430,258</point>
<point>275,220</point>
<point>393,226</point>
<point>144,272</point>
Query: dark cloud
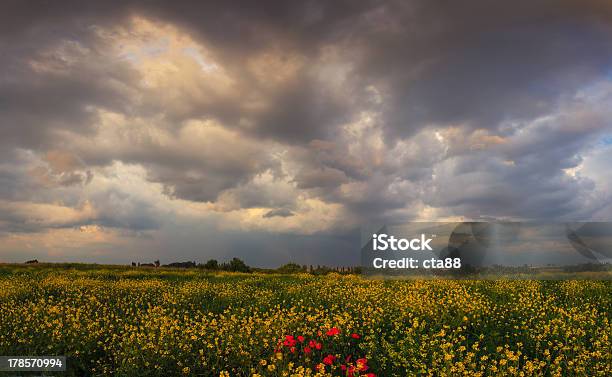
<point>53,73</point>
<point>120,209</point>
<point>324,177</point>
<point>480,63</point>
<point>476,63</point>
<point>484,186</point>
<point>280,212</point>
<point>387,109</point>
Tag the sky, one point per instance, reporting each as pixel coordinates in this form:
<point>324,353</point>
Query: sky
<point>272,131</point>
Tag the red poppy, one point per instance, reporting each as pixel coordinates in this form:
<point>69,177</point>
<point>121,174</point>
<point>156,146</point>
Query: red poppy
<point>314,344</point>
<point>301,339</point>
<point>351,371</point>
<point>289,341</point>
<point>355,336</point>
<point>333,331</point>
<point>362,364</point>
<point>307,350</point>
<point>292,350</point>
<point>329,359</point>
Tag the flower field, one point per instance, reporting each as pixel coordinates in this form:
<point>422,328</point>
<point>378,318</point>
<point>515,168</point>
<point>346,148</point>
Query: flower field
<point>137,322</point>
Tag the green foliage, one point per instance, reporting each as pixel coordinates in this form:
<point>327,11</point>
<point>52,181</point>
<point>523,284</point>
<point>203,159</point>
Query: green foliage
<point>290,268</point>
<point>211,264</point>
<point>236,265</point>
<point>118,321</point>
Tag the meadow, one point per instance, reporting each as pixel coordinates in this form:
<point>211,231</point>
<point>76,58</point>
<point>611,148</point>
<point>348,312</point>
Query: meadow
<point>164,322</point>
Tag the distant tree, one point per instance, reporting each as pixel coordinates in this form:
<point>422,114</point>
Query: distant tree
<point>237,265</point>
<point>182,264</point>
<point>33,261</point>
<point>322,270</point>
<point>133,264</point>
<point>156,263</point>
<point>290,268</point>
<point>212,264</point>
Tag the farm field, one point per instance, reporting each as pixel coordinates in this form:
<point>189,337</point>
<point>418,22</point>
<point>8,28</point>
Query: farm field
<point>157,322</point>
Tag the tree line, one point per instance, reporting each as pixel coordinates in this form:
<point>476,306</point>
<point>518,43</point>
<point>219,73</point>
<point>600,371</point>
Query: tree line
<point>238,265</point>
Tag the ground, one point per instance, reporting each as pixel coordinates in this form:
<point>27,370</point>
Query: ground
<point>161,322</point>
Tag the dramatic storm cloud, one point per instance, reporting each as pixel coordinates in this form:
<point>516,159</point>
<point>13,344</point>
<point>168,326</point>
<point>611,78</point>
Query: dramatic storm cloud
<point>271,131</point>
